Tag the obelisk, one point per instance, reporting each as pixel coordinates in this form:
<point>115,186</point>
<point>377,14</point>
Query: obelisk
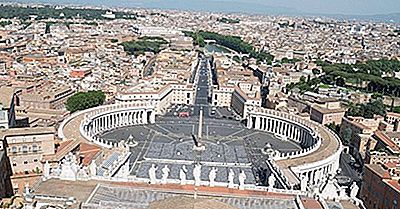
<point>198,145</point>
<point>200,131</point>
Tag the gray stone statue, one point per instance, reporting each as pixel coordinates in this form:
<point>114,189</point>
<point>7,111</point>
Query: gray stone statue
<point>93,168</point>
<point>165,174</point>
<point>46,170</point>
<point>212,175</point>
<point>354,190</point>
<point>183,174</point>
<point>303,183</point>
<point>242,178</point>
<point>152,174</point>
<point>231,177</point>
<point>271,181</point>
<point>197,174</point>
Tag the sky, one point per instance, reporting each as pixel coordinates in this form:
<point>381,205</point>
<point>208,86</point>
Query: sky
<point>345,7</point>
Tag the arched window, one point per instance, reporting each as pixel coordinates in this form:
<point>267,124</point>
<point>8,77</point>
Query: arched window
<point>14,149</point>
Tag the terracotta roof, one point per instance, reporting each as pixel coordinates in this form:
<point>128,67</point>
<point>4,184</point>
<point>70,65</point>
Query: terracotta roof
<point>394,184</point>
<point>384,138</point>
<point>89,152</point>
<point>378,170</point>
<point>311,203</point>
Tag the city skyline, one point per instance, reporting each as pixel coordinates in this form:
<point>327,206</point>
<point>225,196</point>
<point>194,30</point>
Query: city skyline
<point>116,106</point>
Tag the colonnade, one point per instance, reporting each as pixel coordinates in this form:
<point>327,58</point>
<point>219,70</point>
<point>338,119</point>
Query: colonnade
<point>99,122</point>
<point>300,134</point>
<point>112,120</point>
<point>307,135</point>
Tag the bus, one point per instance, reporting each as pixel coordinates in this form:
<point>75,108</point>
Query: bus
<point>184,114</point>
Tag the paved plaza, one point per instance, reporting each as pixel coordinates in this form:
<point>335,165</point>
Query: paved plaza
<point>228,145</point>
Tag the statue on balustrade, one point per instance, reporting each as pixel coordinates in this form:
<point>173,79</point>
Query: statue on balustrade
<point>271,181</point>
<point>152,174</point>
<point>242,178</point>
<point>212,175</point>
<point>183,174</point>
<point>197,174</point>
<point>165,174</point>
<point>231,177</point>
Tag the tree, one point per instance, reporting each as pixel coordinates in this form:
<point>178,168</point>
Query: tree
<point>340,81</point>
<point>396,109</point>
<point>85,100</point>
<point>316,71</point>
<point>347,134</point>
<point>373,107</point>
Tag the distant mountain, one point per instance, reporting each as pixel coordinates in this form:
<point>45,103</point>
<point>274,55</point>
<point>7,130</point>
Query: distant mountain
<point>394,17</point>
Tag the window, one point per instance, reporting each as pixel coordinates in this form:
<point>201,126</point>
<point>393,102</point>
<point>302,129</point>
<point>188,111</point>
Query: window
<point>14,149</point>
<point>35,148</point>
<point>25,149</point>
<point>14,164</point>
<point>25,162</point>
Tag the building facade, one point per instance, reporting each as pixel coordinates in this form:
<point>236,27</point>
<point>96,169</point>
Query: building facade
<point>27,146</point>
<point>381,186</point>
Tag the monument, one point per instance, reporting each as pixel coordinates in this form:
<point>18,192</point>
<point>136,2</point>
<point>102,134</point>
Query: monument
<point>197,174</point>
<point>165,174</point>
<point>354,190</point>
<point>183,174</point>
<point>242,178</point>
<point>231,177</point>
<point>198,146</point>
<point>271,181</point>
<point>69,168</point>
<point>93,168</point>
<point>212,175</point>
<point>46,171</point>
<point>152,174</point>
<point>303,183</point>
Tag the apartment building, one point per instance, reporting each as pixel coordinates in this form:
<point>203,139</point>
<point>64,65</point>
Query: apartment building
<point>360,129</point>
<point>27,146</point>
<point>51,96</point>
<point>381,185</point>
<point>327,111</point>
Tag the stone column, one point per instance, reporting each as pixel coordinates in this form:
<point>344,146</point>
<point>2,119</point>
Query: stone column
<point>312,175</point>
<point>257,122</point>
<point>270,125</point>
<point>145,117</point>
<point>152,117</point>
<point>249,122</point>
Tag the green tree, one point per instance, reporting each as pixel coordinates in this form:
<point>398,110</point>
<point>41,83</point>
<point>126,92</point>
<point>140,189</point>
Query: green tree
<point>85,100</point>
<point>144,44</point>
<point>347,134</point>
<point>368,110</point>
<point>316,71</point>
